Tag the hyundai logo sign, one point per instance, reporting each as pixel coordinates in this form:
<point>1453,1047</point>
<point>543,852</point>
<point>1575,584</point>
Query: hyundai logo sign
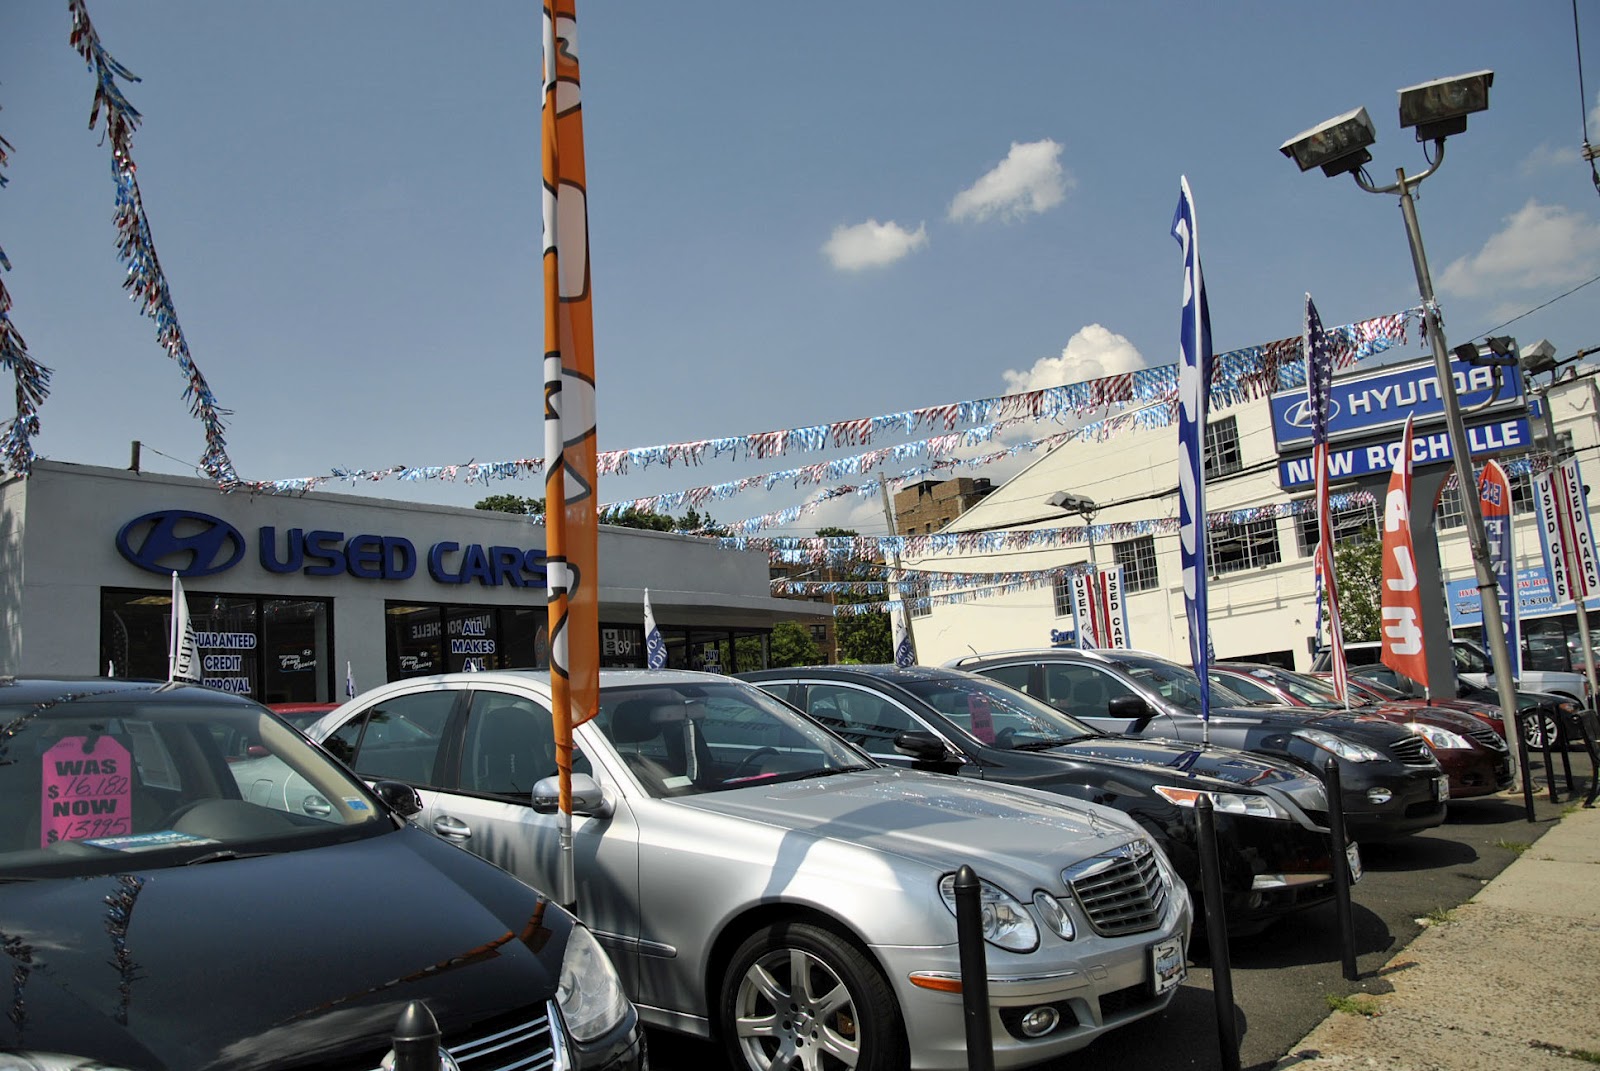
<point>182,541</point>
<point>1299,414</point>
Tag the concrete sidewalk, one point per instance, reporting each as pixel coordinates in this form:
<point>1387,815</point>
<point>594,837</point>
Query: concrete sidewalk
<point>1508,980</point>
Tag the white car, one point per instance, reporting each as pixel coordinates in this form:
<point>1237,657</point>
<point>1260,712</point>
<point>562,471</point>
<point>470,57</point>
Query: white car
<point>758,880</point>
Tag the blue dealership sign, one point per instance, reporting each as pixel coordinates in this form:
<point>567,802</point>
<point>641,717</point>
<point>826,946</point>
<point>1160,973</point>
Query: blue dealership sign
<point>1377,401</point>
<point>1534,598</point>
<point>1511,435</point>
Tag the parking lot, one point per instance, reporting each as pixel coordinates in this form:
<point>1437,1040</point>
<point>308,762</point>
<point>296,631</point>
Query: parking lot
<point>1282,979</point>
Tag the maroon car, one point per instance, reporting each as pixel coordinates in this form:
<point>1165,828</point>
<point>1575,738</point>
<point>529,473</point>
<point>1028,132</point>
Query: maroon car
<point>1474,756</point>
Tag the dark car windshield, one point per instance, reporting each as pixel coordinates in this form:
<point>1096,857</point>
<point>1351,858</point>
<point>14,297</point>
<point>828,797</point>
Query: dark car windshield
<point>1178,684</point>
<point>994,714</point>
<point>94,776</point>
<point>687,739</point>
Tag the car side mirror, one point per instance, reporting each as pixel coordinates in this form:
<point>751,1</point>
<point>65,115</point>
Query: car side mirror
<point>1133,708</point>
<point>399,796</point>
<point>587,799</point>
<point>921,746</point>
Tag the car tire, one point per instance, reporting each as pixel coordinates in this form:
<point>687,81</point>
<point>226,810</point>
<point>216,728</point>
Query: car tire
<point>839,1012</point>
<point>1533,730</point>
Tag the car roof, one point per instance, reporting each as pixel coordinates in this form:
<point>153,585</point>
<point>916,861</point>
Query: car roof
<point>31,691</point>
<point>540,678</point>
<point>1038,653</point>
<point>885,671</point>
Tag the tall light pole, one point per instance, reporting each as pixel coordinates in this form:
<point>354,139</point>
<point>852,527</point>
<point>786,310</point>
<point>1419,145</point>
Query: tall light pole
<point>1068,502</point>
<point>1437,109</point>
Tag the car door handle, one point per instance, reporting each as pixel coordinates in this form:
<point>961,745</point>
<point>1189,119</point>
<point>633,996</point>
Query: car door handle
<point>454,828</point>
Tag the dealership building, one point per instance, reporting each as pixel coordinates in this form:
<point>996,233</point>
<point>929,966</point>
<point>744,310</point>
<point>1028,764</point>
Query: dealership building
<point>289,594</point>
<point>1122,501</point>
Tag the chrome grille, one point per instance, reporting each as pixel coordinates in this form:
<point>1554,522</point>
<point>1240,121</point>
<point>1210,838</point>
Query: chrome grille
<point>1413,751</point>
<point>1488,738</point>
<point>528,1040</point>
<point>1122,891</point>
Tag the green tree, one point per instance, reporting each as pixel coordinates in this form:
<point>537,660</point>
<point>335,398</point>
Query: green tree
<point>1358,566</point>
<point>792,645</point>
<point>864,637</point>
<point>525,507</point>
<point>633,517</point>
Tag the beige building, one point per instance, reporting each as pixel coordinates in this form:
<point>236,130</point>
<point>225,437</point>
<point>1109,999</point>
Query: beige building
<point>1260,588</point>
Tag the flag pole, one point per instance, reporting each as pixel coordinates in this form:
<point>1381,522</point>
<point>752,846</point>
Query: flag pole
<point>172,632</point>
<point>899,573</point>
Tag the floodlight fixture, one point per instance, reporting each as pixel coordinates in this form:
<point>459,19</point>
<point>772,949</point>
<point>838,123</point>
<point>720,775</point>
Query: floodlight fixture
<point>1440,108</point>
<point>1071,503</point>
<point>1539,357</point>
<point>1337,146</point>
<point>1498,350</point>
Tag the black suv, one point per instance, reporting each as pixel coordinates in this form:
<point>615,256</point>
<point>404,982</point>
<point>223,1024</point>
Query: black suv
<point>1270,815</point>
<point>1392,784</point>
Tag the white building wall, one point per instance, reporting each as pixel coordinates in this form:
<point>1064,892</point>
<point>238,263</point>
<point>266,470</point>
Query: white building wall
<point>1134,476</point>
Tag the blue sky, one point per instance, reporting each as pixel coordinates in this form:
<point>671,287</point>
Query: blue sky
<point>797,215</point>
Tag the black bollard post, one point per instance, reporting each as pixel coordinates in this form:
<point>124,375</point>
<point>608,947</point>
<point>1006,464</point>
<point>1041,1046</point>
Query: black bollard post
<point>974,970</point>
<point>1341,869</point>
<point>1549,763</point>
<point>1217,934</point>
<point>416,1039</point>
<point>1518,724</point>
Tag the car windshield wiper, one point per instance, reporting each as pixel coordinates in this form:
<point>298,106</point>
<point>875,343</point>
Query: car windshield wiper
<point>222,855</point>
<point>1046,745</point>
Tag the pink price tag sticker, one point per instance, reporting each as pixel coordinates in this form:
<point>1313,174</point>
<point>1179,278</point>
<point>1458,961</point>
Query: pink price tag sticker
<point>982,719</point>
<point>86,790</point>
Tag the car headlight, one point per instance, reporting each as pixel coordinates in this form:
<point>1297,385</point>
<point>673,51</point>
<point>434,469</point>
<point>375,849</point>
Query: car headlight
<point>590,993</point>
<point>1345,749</point>
<point>1231,802</point>
<point>1439,739</point>
<point>1006,923</point>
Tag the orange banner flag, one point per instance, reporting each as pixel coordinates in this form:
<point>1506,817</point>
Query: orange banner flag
<point>1404,649</point>
<point>571,492</point>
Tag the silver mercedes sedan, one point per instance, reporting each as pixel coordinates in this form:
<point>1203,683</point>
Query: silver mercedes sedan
<point>759,881</point>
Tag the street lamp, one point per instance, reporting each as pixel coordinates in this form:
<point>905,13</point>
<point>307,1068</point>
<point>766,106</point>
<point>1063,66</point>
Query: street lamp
<point>1068,502</point>
<point>1437,109</point>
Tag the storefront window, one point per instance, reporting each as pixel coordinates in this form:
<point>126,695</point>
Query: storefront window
<point>273,650</point>
<point>426,639</point>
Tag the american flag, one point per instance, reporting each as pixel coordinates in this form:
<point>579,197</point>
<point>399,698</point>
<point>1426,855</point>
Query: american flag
<point>1319,387</point>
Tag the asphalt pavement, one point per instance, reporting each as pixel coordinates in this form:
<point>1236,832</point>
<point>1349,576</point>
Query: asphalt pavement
<point>1509,979</point>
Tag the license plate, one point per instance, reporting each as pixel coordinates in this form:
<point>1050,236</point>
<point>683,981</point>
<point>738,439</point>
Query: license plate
<point>1352,852</point>
<point>1166,964</point>
<point>1441,788</point>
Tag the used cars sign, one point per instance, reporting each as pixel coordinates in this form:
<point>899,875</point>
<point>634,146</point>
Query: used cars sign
<point>195,544</point>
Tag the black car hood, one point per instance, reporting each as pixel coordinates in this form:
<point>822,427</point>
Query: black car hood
<point>1352,724</point>
<point>1221,765</point>
<point>277,961</point>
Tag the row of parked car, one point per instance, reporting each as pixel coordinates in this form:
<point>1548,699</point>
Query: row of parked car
<point>768,862</point>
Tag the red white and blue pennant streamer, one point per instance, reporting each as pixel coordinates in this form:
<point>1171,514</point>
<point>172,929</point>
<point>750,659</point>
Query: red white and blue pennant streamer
<point>136,248</point>
<point>32,379</point>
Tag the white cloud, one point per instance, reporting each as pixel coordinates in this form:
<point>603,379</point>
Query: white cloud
<point>1539,248</point>
<point>1549,158</point>
<point>1029,180</point>
<point>872,244</point>
<point>1090,354</point>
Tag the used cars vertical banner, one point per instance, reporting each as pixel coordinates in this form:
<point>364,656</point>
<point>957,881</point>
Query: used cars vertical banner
<point>1566,534</point>
<point>1098,608</point>
<point>1494,501</point>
